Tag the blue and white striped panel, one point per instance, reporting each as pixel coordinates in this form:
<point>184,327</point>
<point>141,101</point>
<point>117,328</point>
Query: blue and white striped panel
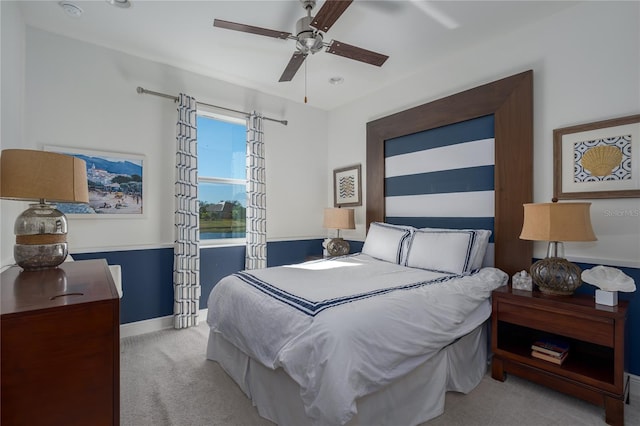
<point>443,178</point>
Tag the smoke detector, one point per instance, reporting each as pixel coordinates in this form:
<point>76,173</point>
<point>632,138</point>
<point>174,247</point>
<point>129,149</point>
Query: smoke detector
<point>71,9</point>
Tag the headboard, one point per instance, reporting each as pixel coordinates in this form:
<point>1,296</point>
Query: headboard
<point>501,111</point>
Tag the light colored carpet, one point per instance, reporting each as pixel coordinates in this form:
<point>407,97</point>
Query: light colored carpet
<point>167,380</point>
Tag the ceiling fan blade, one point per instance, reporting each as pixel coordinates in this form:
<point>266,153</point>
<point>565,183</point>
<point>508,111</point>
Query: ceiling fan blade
<point>352,52</point>
<point>292,67</point>
<point>250,29</point>
<point>329,14</point>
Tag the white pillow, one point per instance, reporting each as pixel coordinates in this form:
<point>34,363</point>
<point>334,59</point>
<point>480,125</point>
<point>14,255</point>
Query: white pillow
<point>444,251</point>
<point>479,248</point>
<point>387,242</point>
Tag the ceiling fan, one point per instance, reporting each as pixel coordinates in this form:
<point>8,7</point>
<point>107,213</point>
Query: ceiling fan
<point>309,36</point>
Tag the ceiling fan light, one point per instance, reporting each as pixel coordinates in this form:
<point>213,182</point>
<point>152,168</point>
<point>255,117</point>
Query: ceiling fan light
<point>309,42</point>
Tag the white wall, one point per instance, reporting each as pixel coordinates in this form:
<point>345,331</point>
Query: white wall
<point>84,96</point>
<point>12,35</point>
<point>586,68</point>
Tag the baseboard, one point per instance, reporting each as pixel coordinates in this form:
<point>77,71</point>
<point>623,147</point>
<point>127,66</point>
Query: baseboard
<point>634,389</point>
<point>153,324</point>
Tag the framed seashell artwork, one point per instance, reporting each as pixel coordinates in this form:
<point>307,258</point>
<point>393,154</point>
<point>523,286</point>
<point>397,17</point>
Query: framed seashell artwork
<point>597,160</point>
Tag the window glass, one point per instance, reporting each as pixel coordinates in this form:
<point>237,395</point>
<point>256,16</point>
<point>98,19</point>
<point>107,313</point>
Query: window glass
<point>221,178</point>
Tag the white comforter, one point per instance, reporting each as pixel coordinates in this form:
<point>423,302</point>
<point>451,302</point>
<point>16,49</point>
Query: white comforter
<point>344,328</point>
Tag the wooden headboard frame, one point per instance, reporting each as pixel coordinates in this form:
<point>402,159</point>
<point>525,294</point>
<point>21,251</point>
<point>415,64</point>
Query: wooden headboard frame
<point>510,100</point>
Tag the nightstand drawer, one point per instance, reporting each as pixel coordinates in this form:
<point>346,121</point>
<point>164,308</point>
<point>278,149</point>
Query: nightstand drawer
<point>589,329</point>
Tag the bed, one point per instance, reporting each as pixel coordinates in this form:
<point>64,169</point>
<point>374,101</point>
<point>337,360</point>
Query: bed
<point>379,337</point>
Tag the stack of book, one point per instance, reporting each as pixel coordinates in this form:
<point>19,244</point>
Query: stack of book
<point>552,350</point>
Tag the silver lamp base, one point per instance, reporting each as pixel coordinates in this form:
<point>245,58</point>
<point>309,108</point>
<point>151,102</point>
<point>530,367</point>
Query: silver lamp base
<point>337,247</point>
<point>41,237</point>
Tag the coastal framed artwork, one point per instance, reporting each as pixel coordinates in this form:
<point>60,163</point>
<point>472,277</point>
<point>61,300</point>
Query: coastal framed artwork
<point>116,184</point>
<point>597,160</point>
<point>347,186</point>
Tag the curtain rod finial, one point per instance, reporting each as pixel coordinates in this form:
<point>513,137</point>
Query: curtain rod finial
<point>140,90</point>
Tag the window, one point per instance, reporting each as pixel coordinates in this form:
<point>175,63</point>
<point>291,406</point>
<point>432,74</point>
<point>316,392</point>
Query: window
<point>221,177</point>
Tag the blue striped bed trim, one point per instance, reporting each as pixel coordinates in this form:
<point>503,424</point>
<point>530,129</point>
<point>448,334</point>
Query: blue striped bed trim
<point>467,257</point>
<point>446,222</point>
<point>406,234</point>
<point>314,308</point>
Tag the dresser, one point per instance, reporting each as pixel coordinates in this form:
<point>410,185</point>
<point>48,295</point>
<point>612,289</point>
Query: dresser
<point>60,353</point>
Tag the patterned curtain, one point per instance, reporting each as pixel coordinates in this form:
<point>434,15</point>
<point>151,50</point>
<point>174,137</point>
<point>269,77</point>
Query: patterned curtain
<point>256,257</point>
<point>186,257</point>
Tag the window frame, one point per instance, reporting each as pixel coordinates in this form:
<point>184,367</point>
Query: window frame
<point>220,242</point>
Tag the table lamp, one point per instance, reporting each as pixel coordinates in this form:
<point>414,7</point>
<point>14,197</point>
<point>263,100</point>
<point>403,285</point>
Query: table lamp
<point>41,230</point>
<point>556,222</point>
<point>337,218</point>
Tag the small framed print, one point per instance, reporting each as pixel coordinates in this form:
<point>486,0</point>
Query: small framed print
<point>115,183</point>
<point>597,160</point>
<point>347,187</point>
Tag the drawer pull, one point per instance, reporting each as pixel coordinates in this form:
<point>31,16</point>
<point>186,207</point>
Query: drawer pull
<point>66,294</point>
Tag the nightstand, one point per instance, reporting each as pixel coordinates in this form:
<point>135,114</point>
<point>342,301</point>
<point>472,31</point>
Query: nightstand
<point>594,368</point>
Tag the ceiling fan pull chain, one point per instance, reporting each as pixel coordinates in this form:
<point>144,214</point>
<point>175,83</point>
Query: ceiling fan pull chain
<point>305,81</point>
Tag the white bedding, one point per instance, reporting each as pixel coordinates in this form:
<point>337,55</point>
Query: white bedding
<point>346,327</point>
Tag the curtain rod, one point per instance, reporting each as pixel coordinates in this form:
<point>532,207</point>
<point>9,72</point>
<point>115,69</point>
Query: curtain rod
<point>143,91</point>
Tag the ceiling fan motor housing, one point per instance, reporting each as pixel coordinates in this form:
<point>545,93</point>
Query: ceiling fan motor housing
<point>309,40</point>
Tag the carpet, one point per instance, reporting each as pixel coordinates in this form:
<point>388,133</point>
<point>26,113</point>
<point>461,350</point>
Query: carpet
<point>166,380</point>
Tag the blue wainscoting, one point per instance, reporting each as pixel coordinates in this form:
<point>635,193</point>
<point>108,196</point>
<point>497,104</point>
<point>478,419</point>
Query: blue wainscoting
<point>147,275</point>
<point>147,282</point>
<point>632,341</point>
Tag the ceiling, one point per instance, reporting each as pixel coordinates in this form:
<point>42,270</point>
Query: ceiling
<point>181,34</point>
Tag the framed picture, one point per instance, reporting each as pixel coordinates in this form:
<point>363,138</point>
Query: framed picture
<point>597,160</point>
<point>116,184</point>
<point>347,187</point>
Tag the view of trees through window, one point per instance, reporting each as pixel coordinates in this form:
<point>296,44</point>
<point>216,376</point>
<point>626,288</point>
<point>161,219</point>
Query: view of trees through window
<point>221,177</point>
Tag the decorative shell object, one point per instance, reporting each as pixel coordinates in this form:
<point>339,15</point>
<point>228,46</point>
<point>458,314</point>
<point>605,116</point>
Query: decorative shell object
<point>601,160</point>
<point>609,279</point>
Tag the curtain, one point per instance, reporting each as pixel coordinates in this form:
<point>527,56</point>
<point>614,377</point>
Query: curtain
<point>256,254</point>
<point>186,257</point>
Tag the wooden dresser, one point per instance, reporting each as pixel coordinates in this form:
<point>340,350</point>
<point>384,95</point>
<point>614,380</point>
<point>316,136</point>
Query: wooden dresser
<point>60,352</point>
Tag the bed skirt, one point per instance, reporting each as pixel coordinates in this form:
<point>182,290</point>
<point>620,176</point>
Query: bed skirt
<point>412,399</point>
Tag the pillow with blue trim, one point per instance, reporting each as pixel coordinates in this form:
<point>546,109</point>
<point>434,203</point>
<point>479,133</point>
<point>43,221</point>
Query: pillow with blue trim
<point>480,243</point>
<point>387,242</point>
<point>442,251</point>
